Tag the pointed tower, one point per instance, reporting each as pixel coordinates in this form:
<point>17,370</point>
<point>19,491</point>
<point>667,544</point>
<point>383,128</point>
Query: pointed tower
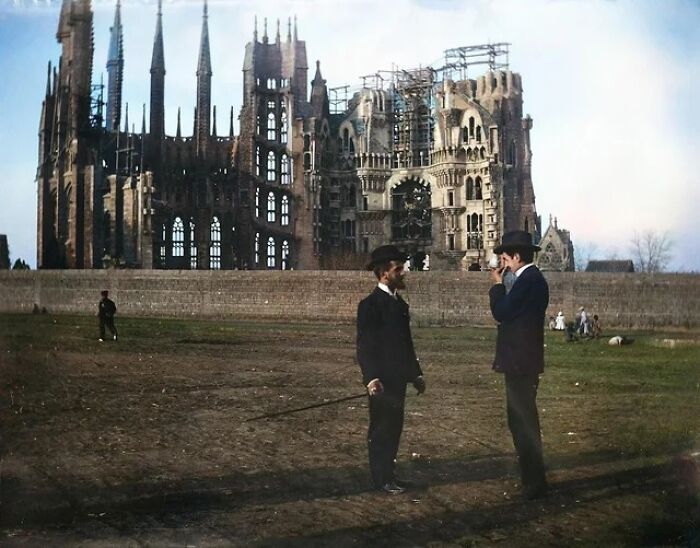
<point>115,71</point>
<point>203,117</point>
<point>319,94</point>
<point>158,79</point>
<point>178,132</point>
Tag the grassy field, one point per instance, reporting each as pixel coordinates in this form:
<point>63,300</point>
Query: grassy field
<point>144,441</point>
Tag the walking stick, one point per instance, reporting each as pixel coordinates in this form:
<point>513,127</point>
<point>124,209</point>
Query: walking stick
<point>290,411</point>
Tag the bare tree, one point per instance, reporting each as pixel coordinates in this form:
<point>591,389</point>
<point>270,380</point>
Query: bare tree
<point>651,251</point>
<point>584,252</point>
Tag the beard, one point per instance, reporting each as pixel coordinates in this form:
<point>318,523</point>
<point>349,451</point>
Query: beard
<point>399,283</point>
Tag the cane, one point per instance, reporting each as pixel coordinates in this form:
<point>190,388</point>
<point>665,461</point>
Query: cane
<point>314,406</point>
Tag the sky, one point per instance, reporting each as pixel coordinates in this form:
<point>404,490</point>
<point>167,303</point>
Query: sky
<point>611,87</point>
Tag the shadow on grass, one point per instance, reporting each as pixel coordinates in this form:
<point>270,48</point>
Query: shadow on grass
<point>170,502</point>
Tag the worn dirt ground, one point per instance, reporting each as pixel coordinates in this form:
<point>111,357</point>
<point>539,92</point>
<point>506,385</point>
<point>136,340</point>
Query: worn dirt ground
<point>143,442</point>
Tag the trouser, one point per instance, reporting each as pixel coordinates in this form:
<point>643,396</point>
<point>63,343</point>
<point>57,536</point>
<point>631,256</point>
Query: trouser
<point>524,424</point>
<point>109,323</point>
<point>385,425</point>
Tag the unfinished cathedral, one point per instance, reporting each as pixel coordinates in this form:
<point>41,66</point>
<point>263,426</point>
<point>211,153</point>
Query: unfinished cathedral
<point>427,159</point>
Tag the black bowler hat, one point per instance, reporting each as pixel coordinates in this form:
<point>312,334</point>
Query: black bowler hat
<point>516,239</point>
<point>385,254</point>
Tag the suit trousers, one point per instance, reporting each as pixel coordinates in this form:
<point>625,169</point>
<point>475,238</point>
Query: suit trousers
<point>109,323</point>
<point>524,424</point>
<point>386,414</point>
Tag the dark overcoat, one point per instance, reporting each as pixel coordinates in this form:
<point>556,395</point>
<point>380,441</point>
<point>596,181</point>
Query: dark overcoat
<point>520,313</point>
<point>106,309</point>
<point>384,343</point>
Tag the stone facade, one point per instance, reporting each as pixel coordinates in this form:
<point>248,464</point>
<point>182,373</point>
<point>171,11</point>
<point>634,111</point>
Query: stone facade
<point>557,249</point>
<point>436,298</point>
<point>438,166</point>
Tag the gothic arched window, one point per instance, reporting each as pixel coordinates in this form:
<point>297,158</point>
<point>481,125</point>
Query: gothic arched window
<point>271,208</point>
<point>257,248</point>
<point>470,188</point>
<point>193,246</point>
<point>352,196</point>
<point>215,244</point>
<point>411,213</point>
<point>284,170</point>
<point>178,238</point>
<point>257,201</point>
<point>271,126</point>
<point>283,126</point>
<point>270,252</point>
<point>285,255</point>
<point>163,239</point>
<point>284,211</point>
<point>271,166</point>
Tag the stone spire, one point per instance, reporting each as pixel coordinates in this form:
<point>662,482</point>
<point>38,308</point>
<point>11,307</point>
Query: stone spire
<point>213,122</point>
<point>295,29</point>
<point>319,94</point>
<point>115,71</point>
<point>230,130</point>
<point>203,118</point>
<point>277,36</point>
<point>255,30</point>
<point>142,159</point>
<point>48,80</point>
<point>289,29</point>
<point>178,133</point>
<point>265,40</point>
<point>158,79</point>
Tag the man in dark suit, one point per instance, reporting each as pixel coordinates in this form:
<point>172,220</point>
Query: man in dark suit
<point>388,362</point>
<point>520,351</point>
<point>106,309</point>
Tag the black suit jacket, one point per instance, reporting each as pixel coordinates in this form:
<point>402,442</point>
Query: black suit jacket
<point>384,343</point>
<point>520,313</point>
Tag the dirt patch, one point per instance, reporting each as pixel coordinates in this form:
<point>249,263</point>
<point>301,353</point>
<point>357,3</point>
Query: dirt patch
<point>145,441</point>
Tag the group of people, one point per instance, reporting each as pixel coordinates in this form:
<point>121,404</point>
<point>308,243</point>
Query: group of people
<point>518,300</point>
<point>583,327</point>
<point>388,359</point>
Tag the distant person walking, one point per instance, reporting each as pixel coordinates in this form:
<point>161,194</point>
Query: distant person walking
<point>520,315</point>
<point>388,362</point>
<point>106,310</point>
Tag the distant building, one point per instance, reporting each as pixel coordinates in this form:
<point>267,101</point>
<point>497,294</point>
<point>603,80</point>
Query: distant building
<point>557,249</point>
<point>429,160</point>
<point>610,266</point>
<point>4,253</point>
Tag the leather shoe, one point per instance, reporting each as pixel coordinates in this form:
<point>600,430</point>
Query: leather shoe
<point>391,489</point>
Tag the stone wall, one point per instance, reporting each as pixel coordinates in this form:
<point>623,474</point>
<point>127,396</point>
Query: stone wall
<point>436,298</point>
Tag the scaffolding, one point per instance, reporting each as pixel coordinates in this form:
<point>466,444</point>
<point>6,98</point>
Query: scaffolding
<point>458,60</point>
<point>97,104</point>
<point>410,95</point>
<point>338,99</point>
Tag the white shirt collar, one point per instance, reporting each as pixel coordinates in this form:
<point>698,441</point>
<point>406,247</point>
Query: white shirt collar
<point>386,289</point>
<point>522,269</point>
